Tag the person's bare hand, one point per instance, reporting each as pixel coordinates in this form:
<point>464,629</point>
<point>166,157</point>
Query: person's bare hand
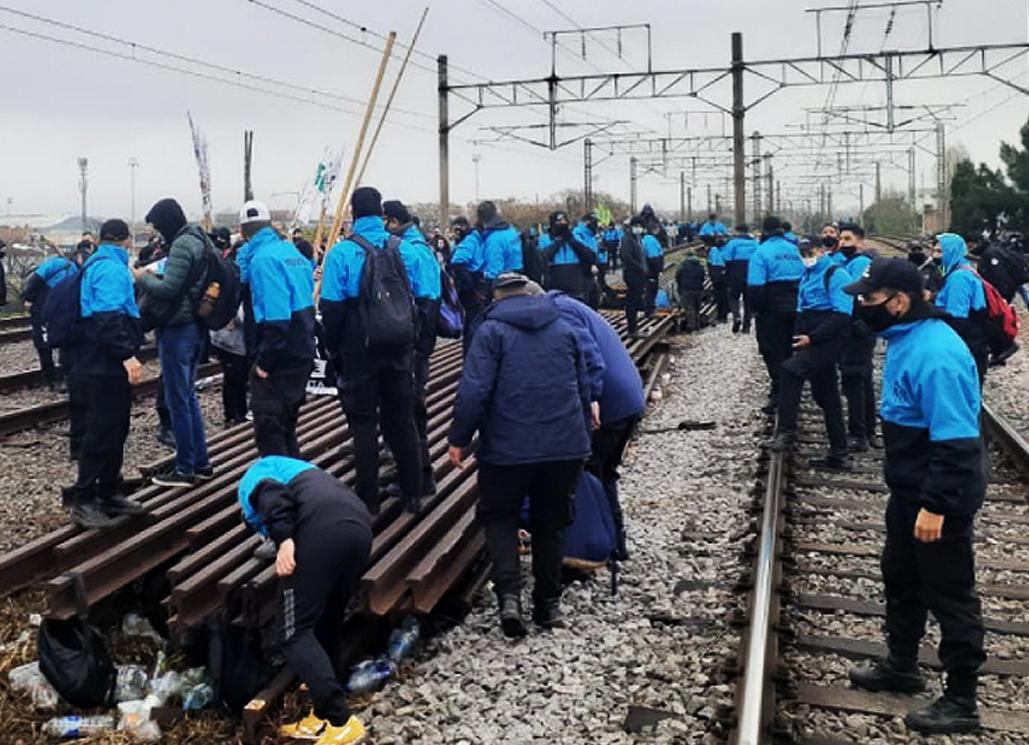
<point>134,369</point>
<point>262,374</point>
<point>928,526</point>
<point>285,562</point>
<point>595,414</point>
<point>801,340</point>
<point>456,455</point>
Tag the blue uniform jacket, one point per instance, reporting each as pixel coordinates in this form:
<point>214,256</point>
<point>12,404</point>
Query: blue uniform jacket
<point>824,312</point>
<point>282,296</point>
<point>423,270</point>
<point>502,250</point>
<point>651,247</point>
<point>524,386</point>
<point>930,411</point>
<point>713,228</point>
<point>791,237</point>
<point>715,256</point>
<point>736,253</point>
<point>962,291</point>
<point>565,254</point>
<point>614,379</point>
<point>277,468</point>
<point>612,237</point>
<point>855,265</point>
<point>111,332</point>
<point>55,270</point>
<point>469,252</point>
<point>582,233</point>
<point>773,273</point>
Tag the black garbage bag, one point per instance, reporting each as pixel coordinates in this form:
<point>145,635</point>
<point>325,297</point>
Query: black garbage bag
<point>74,659</point>
<point>239,666</point>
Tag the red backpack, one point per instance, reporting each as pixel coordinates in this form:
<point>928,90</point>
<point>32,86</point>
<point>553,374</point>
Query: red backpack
<point>1002,323</point>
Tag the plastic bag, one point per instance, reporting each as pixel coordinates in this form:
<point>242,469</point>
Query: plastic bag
<point>28,679</point>
<point>131,683</point>
<point>134,624</point>
<point>165,687</point>
<point>135,719</point>
<point>74,659</point>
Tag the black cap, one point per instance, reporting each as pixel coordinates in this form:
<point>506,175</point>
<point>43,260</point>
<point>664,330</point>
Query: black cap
<point>771,224</point>
<point>558,216</point>
<point>366,202</point>
<point>396,210</point>
<point>897,274</point>
<point>510,279</point>
<point>114,230</point>
<point>459,220</point>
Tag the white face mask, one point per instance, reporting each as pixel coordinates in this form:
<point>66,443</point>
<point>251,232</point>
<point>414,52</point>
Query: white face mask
<point>637,230</point>
<point>809,261</point>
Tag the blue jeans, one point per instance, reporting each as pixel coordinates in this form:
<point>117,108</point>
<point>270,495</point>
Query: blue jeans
<point>180,348</point>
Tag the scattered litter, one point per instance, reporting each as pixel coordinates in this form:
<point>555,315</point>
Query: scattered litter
<point>28,679</point>
<point>71,727</point>
<point>135,625</point>
<point>371,675</point>
<point>135,719</point>
<point>132,683</point>
<point>403,639</point>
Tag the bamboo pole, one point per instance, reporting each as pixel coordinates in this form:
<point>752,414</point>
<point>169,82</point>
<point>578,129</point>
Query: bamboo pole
<point>392,94</point>
<point>344,197</point>
<point>320,229</point>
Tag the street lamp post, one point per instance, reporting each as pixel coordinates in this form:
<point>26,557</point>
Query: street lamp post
<point>133,165</point>
<point>476,157</point>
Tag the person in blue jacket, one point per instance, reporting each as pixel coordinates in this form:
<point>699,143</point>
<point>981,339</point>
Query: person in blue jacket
<point>655,258</point>
<point>105,368</point>
<point>934,470</point>
<point>501,243</point>
<point>424,272</point>
<point>323,537</point>
<point>373,378</point>
<point>46,276</point>
<point>467,263</point>
<point>856,361</point>
<point>736,253</point>
<point>281,285</point>
<point>822,330</point>
<point>712,228</point>
<point>612,239</point>
<point>526,391</point>
<point>569,261</point>
<point>618,389</point>
<point>963,298</point>
<point>716,271</point>
<point>788,233</point>
<point>773,276</point>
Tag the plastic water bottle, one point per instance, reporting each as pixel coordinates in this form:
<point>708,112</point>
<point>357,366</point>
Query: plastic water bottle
<point>370,675</point>
<point>78,726</point>
<point>197,697</point>
<point>403,639</point>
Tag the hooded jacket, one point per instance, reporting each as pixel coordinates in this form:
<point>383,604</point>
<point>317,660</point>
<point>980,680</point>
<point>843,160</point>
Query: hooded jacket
<point>614,379</point>
<point>281,295</point>
<point>281,496</point>
<point>962,296</point>
<point>184,273</point>
<point>773,273</point>
<point>524,386</point>
<point>111,331</point>
<point>736,254</point>
<point>930,410</point>
<point>634,259</point>
<point>689,277</point>
<point>824,308</point>
<point>502,250</point>
<point>712,229</point>
<point>46,276</point>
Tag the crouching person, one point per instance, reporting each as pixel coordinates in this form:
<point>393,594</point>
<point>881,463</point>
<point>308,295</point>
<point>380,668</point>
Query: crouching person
<point>323,533</point>
<point>105,368</point>
<point>525,390</point>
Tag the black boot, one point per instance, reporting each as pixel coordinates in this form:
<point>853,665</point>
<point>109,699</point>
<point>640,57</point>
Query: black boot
<point>89,516</point>
<point>736,327</point>
<point>888,675</point>
<point>112,502</point>
<point>858,444</point>
<point>771,407</point>
<point>782,441</point>
<point>547,613</point>
<point>834,461</point>
<point>949,714</point>
<point>511,620</point>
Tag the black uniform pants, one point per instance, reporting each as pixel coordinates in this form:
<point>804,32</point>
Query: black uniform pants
<point>330,556</point>
<point>650,301</point>
<point>737,296</point>
<point>234,384</point>
<point>108,402</point>
<point>608,447</point>
<point>689,301</point>
<point>721,293</point>
<point>939,577</point>
<point>370,382</point>
<point>858,387</point>
<point>473,301</point>
<point>549,487</point>
<point>817,364</point>
<point>275,401</point>
<point>77,402</point>
<point>51,372</point>
<point>775,343</point>
<point>633,304</point>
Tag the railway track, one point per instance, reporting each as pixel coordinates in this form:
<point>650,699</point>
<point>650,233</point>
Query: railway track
<point>815,607</point>
<point>34,378</point>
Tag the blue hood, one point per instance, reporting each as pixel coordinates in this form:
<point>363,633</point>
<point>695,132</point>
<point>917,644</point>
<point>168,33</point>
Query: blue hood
<point>954,251</point>
<point>525,312</point>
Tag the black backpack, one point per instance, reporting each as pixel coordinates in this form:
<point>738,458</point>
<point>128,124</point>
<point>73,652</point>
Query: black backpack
<point>61,318</point>
<point>532,261</point>
<point>225,275</point>
<point>386,308</point>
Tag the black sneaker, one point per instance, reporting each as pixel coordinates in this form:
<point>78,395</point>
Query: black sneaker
<point>831,463</point>
<point>888,675</point>
<point>858,444</point>
<point>205,473</point>
<point>548,614</point>
<point>413,505</point>
<point>511,620</point>
<point>1001,358</point>
<point>89,516</point>
<point>781,442</point>
<point>118,504</point>
<point>949,714</point>
<point>428,487</point>
<point>266,551</point>
<point>173,478</point>
<point>771,407</point>
<point>735,327</point>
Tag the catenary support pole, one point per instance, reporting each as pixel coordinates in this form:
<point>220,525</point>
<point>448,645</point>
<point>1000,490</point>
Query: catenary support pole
<point>738,112</point>
<point>444,143</point>
<point>632,185</point>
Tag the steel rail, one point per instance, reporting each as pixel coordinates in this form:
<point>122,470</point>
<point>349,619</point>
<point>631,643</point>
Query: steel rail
<point>1006,437</point>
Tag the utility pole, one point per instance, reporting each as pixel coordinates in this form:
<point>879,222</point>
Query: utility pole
<point>771,182</point>
<point>738,112</point>
<point>444,143</point>
<point>248,160</point>
<point>878,182</point>
<point>755,162</point>
<point>133,165</point>
<point>829,203</point>
<point>941,176</point>
<point>709,198</point>
<point>718,203</point>
<point>778,196</point>
<point>861,202</point>
<point>912,198</point>
<point>587,173</point>
<point>632,185</point>
<point>476,157</point>
<point>83,184</point>
<point>689,203</point>
<point>682,196</point>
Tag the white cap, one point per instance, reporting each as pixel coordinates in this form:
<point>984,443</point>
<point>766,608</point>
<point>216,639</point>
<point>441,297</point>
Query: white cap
<point>254,211</point>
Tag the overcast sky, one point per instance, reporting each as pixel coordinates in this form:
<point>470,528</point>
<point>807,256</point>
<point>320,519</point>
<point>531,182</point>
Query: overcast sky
<point>62,101</point>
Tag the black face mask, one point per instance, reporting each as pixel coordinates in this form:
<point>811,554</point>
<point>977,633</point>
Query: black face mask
<point>876,317</point>
<point>830,241</point>
<point>560,228</point>
<point>848,251</point>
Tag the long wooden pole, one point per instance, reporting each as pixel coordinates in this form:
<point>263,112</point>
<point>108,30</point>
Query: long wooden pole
<point>344,197</point>
<point>392,94</point>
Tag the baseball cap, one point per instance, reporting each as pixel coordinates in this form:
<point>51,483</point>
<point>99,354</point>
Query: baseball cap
<point>898,274</point>
<point>510,279</point>
<point>254,211</point>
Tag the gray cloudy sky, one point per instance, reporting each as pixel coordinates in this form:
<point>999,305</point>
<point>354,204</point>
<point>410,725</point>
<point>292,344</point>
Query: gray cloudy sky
<point>62,101</point>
